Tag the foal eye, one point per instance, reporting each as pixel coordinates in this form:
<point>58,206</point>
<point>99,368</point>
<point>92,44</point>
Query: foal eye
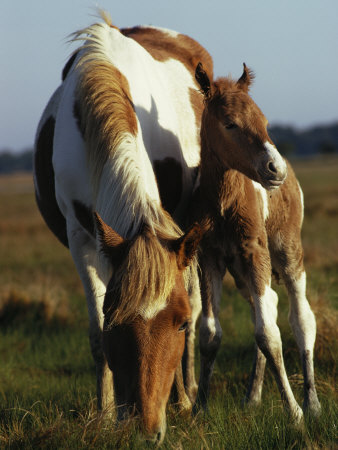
<point>230,126</point>
<point>184,326</point>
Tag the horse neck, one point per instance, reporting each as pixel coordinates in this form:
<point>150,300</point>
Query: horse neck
<point>221,186</point>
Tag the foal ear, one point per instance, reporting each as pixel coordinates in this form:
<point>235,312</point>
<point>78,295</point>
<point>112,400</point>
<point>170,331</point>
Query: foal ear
<point>186,246</point>
<point>246,79</point>
<point>203,80</point>
<point>113,245</point>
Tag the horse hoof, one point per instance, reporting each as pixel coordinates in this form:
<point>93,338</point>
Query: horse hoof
<point>297,417</point>
<point>250,402</point>
<point>185,407</point>
<point>313,408</point>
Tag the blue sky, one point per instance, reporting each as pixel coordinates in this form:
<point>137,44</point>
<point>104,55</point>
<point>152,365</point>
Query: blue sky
<point>292,45</point>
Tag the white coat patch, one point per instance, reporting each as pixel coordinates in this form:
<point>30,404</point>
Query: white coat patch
<point>264,196</point>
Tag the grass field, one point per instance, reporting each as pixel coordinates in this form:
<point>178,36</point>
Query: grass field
<point>47,376</point>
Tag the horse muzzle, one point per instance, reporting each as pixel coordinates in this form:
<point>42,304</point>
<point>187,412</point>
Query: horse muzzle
<point>273,171</point>
<point>157,436</point>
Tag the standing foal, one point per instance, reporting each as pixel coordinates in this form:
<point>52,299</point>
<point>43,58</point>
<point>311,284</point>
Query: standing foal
<point>255,230</point>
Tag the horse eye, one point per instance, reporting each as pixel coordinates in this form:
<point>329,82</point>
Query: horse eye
<point>184,326</point>
<point>230,126</point>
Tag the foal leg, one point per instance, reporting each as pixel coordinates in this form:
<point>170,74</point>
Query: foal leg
<point>210,329</point>
<point>253,394</point>
<point>269,341</point>
<point>303,324</point>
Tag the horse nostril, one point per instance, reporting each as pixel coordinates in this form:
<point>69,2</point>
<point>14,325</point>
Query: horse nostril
<point>158,436</point>
<point>272,167</point>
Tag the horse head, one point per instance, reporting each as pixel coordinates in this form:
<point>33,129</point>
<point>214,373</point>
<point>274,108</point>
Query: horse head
<point>147,311</point>
<point>235,129</point>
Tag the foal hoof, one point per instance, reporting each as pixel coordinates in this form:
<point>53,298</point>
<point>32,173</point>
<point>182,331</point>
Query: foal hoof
<point>192,393</point>
<point>297,417</point>
<point>250,403</point>
<point>185,407</point>
<point>312,408</point>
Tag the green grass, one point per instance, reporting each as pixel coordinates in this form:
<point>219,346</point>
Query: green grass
<point>47,375</point>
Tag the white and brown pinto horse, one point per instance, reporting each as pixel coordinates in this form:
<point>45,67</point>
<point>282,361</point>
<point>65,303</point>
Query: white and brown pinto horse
<point>120,138</point>
<point>256,229</point>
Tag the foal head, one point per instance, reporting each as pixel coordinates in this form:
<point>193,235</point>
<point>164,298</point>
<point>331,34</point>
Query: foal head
<point>235,129</point>
<point>147,311</point>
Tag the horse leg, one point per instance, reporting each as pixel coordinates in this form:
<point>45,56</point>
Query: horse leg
<point>253,394</point>
<point>94,279</point>
<point>210,330</point>
<point>269,341</point>
<point>303,324</point>
<point>181,397</point>
<point>104,376</point>
<point>189,352</point>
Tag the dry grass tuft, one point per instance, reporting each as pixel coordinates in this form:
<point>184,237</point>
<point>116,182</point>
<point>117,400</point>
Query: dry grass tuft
<point>46,306</point>
<point>327,330</point>
<point>323,386</point>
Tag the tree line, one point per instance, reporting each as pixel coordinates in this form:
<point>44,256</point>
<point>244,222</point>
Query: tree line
<point>290,141</point>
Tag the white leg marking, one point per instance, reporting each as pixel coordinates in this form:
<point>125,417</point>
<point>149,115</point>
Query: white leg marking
<point>301,318</point>
<point>269,341</point>
<point>303,324</point>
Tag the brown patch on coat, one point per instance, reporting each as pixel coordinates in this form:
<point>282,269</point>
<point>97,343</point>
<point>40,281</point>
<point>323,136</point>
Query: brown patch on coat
<point>241,231</point>
<point>105,111</point>
<point>169,180</point>
<point>44,175</point>
<point>284,226</point>
<point>162,46</point>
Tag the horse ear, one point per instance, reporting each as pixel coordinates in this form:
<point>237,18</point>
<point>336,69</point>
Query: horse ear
<point>112,244</point>
<point>246,79</point>
<point>203,80</point>
<point>186,246</point>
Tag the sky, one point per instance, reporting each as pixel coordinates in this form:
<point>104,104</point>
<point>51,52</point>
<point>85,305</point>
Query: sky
<point>292,46</point>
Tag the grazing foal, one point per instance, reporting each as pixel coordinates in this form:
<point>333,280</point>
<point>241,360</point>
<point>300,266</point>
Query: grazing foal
<point>254,231</point>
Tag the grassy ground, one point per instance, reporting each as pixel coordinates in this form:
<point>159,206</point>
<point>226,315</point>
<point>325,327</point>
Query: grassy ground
<point>47,377</point>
